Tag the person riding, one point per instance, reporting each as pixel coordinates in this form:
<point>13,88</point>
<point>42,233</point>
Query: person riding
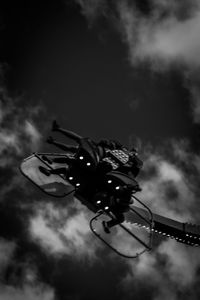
<point>99,166</point>
<point>85,145</point>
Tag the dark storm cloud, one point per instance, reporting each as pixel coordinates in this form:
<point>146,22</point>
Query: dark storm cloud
<point>42,241</point>
<point>174,165</point>
<point>61,233</point>
<point>46,250</point>
<point>19,135</point>
<point>161,34</point>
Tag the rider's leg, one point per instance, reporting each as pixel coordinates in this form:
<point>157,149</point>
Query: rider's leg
<point>119,218</point>
<point>70,134</point>
<point>62,146</point>
<point>57,171</point>
<point>62,160</point>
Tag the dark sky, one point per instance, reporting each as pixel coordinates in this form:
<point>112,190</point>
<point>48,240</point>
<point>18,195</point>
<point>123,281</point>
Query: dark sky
<point>56,57</point>
<point>72,61</point>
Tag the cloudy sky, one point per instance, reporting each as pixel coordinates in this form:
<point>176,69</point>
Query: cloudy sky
<point>127,70</point>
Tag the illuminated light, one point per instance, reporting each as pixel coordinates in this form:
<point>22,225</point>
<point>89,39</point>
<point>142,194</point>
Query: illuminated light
<point>117,188</point>
<point>106,208</point>
<point>196,245</point>
<point>99,201</point>
<point>164,233</point>
<point>168,234</point>
<point>109,181</point>
<point>70,178</point>
<point>88,164</point>
<point>81,157</point>
<point>156,230</point>
<point>78,184</point>
<point>195,237</point>
<point>187,234</point>
<point>160,232</point>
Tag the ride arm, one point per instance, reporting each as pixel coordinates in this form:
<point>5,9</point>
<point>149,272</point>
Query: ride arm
<point>182,232</point>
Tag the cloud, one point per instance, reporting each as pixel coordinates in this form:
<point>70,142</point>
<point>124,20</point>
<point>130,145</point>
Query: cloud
<point>164,36</point>
<point>171,189</point>
<point>30,287</point>
<point>18,132</point>
<point>167,192</point>
<point>165,39</point>
<point>34,135</point>
<point>180,258</point>
<point>21,131</point>
<point>62,233</point>
<point>92,9</point>
<point>6,252</point>
<point>40,292</point>
<point>163,272</point>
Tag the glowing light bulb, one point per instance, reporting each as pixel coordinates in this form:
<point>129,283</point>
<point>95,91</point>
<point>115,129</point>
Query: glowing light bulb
<point>117,188</point>
<point>88,164</point>
<point>106,208</point>
<point>109,181</point>
<point>99,201</point>
<point>70,178</point>
<point>78,184</point>
<point>81,157</point>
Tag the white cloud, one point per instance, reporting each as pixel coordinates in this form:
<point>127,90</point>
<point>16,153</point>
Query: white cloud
<point>60,233</point>
<point>92,8</point>
<point>166,38</point>
<point>46,236</point>
<point>40,292</point>
<point>18,132</point>
<point>9,140</point>
<point>30,289</point>
<point>170,42</point>
<point>6,252</point>
<point>34,135</point>
<point>155,189</point>
<point>170,267</point>
<point>179,259</point>
<point>162,40</point>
